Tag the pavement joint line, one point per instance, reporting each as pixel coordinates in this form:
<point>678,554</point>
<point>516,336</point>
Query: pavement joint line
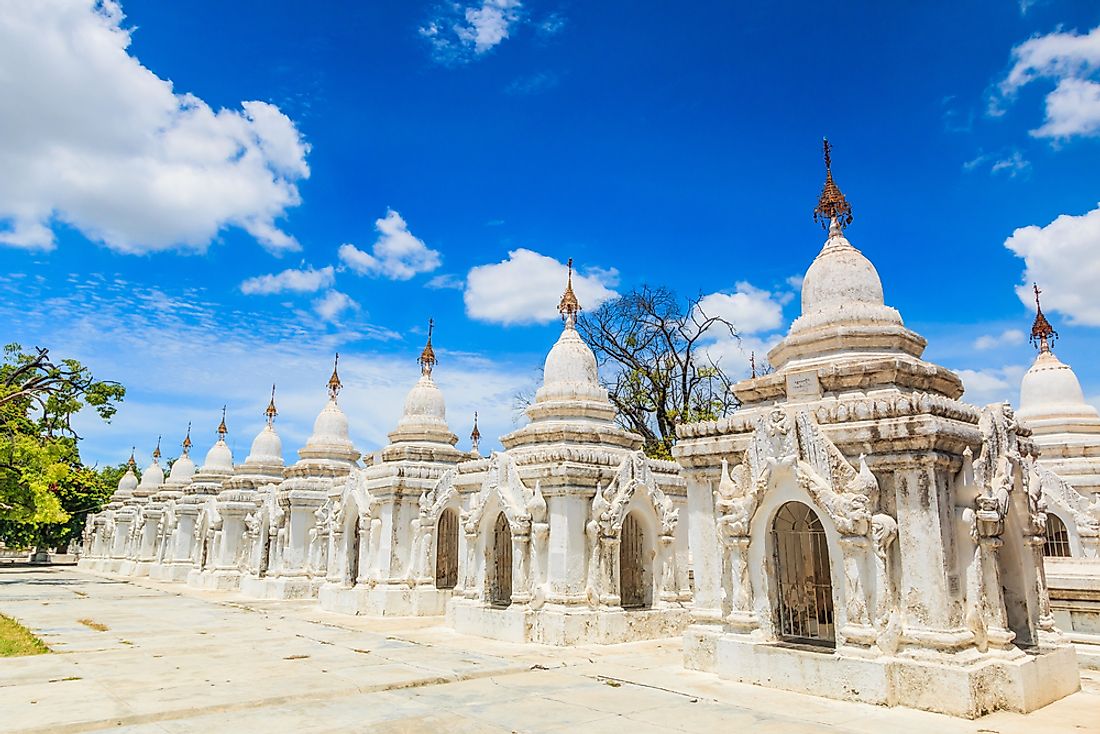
<point>315,696</point>
<point>626,681</point>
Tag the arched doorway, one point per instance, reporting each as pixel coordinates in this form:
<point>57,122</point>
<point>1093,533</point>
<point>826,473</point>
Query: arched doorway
<point>352,549</point>
<point>446,550</point>
<point>500,578</point>
<point>633,570</point>
<point>1057,540</point>
<point>804,589</point>
<point>265,548</point>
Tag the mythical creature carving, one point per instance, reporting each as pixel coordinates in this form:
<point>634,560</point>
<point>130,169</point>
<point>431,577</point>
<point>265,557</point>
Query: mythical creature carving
<point>502,482</point>
<point>633,473</point>
<point>847,495</point>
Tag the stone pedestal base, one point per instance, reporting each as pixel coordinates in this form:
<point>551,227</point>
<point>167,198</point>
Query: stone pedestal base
<point>217,580</point>
<point>171,571</point>
<point>110,565</point>
<point>279,587</point>
<point>1074,585</point>
<point>384,600</point>
<point>139,568</point>
<point>554,625</point>
<point>969,690</point>
<point>95,565</point>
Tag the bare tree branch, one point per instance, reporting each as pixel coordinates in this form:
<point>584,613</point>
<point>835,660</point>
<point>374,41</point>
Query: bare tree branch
<point>656,368</point>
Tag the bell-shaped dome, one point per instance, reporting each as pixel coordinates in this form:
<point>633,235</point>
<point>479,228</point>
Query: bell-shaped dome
<point>267,448</point>
<point>571,406</point>
<point>219,458</point>
<point>842,286</point>
<point>182,470</point>
<point>330,427</point>
<point>152,477</point>
<point>1051,389</point>
<point>129,482</point>
<point>423,421</point>
<point>570,361</point>
<point>330,440</point>
<point>424,404</point>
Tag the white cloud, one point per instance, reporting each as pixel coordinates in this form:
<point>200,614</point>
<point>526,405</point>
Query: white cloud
<point>735,355</point>
<point>1072,59</point>
<point>1073,108</point>
<point>95,140</point>
<point>1007,338</point>
<point>756,314</point>
<point>532,83</point>
<point>1011,163</point>
<point>527,286</point>
<point>332,304</point>
<point>1064,259</point>
<point>307,280</point>
<point>446,281</point>
<point>991,385</point>
<point>750,309</point>
<point>459,32</point>
<point>397,253</point>
<point>114,327</point>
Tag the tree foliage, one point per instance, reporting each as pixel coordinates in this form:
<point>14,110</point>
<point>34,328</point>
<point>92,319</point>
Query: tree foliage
<point>652,350</point>
<point>45,490</point>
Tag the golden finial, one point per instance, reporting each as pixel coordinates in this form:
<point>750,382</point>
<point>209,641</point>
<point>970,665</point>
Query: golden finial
<point>222,430</point>
<point>334,383</point>
<point>132,464</point>
<point>832,207</point>
<point>427,360</point>
<point>187,440</point>
<point>475,436</point>
<point>156,451</point>
<point>569,305</point>
<point>271,412</point>
<point>1042,333</point>
<point>752,363</point>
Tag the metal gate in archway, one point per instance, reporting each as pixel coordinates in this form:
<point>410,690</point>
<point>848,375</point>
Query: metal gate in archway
<point>500,580</point>
<point>804,589</point>
<point>632,576</point>
<point>446,550</point>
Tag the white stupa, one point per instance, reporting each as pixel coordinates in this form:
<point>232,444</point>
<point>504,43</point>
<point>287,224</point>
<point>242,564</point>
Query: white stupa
<point>126,485</point>
<point>1064,426</point>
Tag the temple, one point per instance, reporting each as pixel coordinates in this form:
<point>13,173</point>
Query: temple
<point>1066,431</point>
<point>571,533</point>
<point>860,533</point>
<point>854,530</point>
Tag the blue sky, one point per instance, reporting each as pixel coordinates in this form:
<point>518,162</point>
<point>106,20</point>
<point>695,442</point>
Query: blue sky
<point>203,198</point>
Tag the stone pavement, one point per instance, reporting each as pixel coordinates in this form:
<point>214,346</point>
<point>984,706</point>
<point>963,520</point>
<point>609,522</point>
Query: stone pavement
<point>174,659</point>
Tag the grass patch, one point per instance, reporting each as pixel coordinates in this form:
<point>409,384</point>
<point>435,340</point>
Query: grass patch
<point>92,624</point>
<point>15,639</point>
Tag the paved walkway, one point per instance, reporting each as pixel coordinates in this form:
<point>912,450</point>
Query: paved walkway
<point>173,659</point>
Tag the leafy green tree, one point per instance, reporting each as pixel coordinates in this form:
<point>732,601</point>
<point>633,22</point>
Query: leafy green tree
<point>45,490</point>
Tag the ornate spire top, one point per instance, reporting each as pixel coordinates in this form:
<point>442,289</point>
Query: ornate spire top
<point>569,305</point>
<point>132,464</point>
<point>427,360</point>
<point>334,383</point>
<point>752,363</point>
<point>187,440</point>
<point>1042,333</point>
<point>222,430</point>
<point>833,210</point>
<point>156,451</point>
<point>475,436</point>
<point>271,412</point>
